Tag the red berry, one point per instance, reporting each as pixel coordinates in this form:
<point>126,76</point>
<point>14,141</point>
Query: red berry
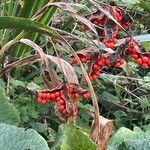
<point>109,45</point>
<point>144,65</point>
<point>61,108</point>
<point>118,14</point>
<point>139,61</point>
<point>114,40</point>
<point>76,95</point>
<point>94,77</point>
<point>103,60</point>
<point>97,73</point>
<point>39,100</point>
<point>65,112</point>
<point>134,50</point>
<point>44,95</point>
<point>145,59</point>
<point>61,102</point>
<point>88,58</point>
<point>121,61</point>
<point>96,22</point>
<point>43,101</point>
<point>96,67</point>
<point>86,95</point>
<point>48,95</point>
<point>58,98</point>
<point>53,96</point>
<point>130,49</point>
<point>57,94</point>
<point>83,60</point>
<point>100,63</point>
<point>73,60</point>
<point>125,26</point>
<point>40,95</point>
<point>70,90</point>
<point>148,62</point>
<point>117,64</point>
<point>115,32</point>
<point>107,61</point>
<point>135,56</point>
<point>84,27</point>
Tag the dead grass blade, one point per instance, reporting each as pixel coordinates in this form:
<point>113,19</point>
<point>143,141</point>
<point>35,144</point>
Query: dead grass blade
<point>25,61</point>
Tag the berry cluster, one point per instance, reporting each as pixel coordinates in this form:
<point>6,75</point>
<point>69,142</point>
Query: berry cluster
<point>117,14</point>
<point>111,29</point>
<point>142,60</point>
<point>129,48</point>
<point>103,62</point>
<point>118,63</point>
<point>112,40</point>
<point>97,66</point>
<point>58,97</point>
<point>97,21</point>
<point>76,92</point>
<point>55,96</point>
<point>84,59</point>
<point>110,34</point>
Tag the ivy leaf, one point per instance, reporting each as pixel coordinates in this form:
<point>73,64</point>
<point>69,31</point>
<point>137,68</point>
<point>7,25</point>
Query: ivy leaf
<point>8,113</point>
<point>12,137</point>
<point>72,138</point>
<point>126,139</point>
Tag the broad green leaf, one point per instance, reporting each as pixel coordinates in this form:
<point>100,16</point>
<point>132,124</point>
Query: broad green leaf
<point>8,113</point>
<point>73,138</point>
<point>14,138</point>
<point>27,25</point>
<point>137,144</point>
<point>122,134</point>
<point>126,139</point>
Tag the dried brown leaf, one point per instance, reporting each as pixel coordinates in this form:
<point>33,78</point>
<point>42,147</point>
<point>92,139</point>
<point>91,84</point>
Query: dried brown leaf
<point>106,12</point>
<point>68,70</point>
<point>25,61</point>
<point>101,132</point>
<point>72,12</point>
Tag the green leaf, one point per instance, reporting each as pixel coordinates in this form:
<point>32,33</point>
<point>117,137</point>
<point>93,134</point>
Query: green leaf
<point>145,5</point>
<point>14,138</point>
<point>8,113</point>
<point>73,138</point>
<point>126,139</point>
<point>27,25</point>
<point>122,134</point>
<point>138,144</point>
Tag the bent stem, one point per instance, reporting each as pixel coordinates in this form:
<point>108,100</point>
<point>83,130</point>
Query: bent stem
<point>93,95</point>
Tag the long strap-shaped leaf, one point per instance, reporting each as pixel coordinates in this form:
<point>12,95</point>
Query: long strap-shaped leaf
<point>27,25</point>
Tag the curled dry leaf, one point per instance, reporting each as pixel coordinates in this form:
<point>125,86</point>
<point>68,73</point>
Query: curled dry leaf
<point>25,61</point>
<point>84,52</point>
<point>66,68</point>
<point>106,12</point>
<point>72,12</point>
<point>101,132</point>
